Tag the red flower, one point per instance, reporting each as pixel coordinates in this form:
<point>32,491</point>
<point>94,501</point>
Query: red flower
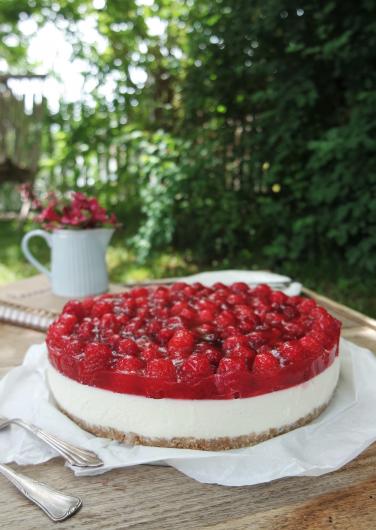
<point>80,211</point>
<point>112,219</point>
<point>49,214</point>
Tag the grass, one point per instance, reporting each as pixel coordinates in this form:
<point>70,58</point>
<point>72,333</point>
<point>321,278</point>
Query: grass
<point>330,278</point>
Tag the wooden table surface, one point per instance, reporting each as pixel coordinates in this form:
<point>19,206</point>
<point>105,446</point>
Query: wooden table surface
<point>147,497</point>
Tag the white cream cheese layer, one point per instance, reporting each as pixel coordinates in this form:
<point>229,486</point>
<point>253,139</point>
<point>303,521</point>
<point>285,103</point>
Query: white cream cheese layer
<point>169,418</point>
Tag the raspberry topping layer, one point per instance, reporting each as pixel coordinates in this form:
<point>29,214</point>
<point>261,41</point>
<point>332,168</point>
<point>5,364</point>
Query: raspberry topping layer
<point>193,342</point>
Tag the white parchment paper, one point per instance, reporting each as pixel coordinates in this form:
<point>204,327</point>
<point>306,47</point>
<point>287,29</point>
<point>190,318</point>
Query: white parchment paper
<point>343,431</point>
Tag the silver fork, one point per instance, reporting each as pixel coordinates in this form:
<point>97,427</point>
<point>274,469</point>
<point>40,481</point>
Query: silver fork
<point>54,503</point>
<point>75,456</point>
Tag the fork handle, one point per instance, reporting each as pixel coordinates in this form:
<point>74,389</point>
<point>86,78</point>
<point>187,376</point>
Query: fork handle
<point>76,456</point>
<point>54,503</point>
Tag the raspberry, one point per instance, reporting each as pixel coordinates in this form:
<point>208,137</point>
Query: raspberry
<point>307,305</point>
<point>188,314</point>
<point>196,366</point>
<point>142,312</point>
<point>140,292</point>
<point>262,291</point>
<point>273,335</point>
<point>219,297</point>
<point>245,354</point>
<point>206,304</point>
<point>97,357</point>
<point>75,307</point>
<point>239,287</point>
<point>178,286</point>
<point>212,353</point>
<point>101,308</point>
<point>265,348</point>
<point>182,341</point>
<point>129,307</point>
<point>143,342</point>
<point>291,351</point>
<point>205,292</point>
<point>290,312</point>
<point>160,312</point>
<point>230,331</point>
<point>108,321</point>
<point>306,322</point>
<point>266,364</point>
<point>153,327</point>
<point>310,346</point>
<point>175,322</point>
<point>134,325</point>
<point>161,293</point>
<point>66,322</point>
<point>258,338</point>
<point>205,329</point>
<point>128,347</point>
<point>261,309</point>
<point>292,330</point>
<point>121,319</point>
<point>98,351</point>
<point>325,321</point>
<point>206,316</point>
<point>55,339</point>
<point>236,299</point>
<point>230,365</point>
<point>164,335</point>
<point>113,341</point>
<point>279,298</point>
<point>219,285</point>
<point>87,304</point>
<point>178,307</point>
<point>161,369</point>
<point>225,319</point>
<point>246,325</point>
<point>130,365</point>
<point>150,352</point>
<point>86,330</point>
<point>234,343</point>
<point>273,318</point>
<point>322,337</point>
<point>74,347</point>
<point>243,311</point>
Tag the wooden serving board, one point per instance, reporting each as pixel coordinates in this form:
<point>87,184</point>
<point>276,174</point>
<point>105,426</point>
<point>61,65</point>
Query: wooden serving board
<point>34,296</point>
<point>161,498</point>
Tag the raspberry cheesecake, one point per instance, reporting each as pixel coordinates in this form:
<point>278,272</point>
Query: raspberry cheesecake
<point>193,366</point>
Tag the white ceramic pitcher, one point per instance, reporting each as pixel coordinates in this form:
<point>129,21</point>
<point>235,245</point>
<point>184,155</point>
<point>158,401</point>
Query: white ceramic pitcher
<point>78,264</point>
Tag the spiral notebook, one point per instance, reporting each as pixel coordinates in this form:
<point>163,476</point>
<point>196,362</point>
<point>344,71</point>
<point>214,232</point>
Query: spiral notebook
<point>30,303</point>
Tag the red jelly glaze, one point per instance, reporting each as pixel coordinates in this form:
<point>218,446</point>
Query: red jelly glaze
<point>160,342</point>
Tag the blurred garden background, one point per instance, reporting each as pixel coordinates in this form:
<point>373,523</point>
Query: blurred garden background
<point>223,133</point>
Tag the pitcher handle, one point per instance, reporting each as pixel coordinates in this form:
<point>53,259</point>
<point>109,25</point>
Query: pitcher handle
<point>28,255</point>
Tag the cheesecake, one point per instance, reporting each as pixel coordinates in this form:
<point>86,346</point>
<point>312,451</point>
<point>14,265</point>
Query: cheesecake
<point>193,366</point>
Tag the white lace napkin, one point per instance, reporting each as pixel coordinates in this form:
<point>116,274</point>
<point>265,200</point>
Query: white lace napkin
<point>343,431</point>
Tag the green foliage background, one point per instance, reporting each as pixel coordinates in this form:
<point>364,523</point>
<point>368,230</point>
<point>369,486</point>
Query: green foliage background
<point>252,142</point>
